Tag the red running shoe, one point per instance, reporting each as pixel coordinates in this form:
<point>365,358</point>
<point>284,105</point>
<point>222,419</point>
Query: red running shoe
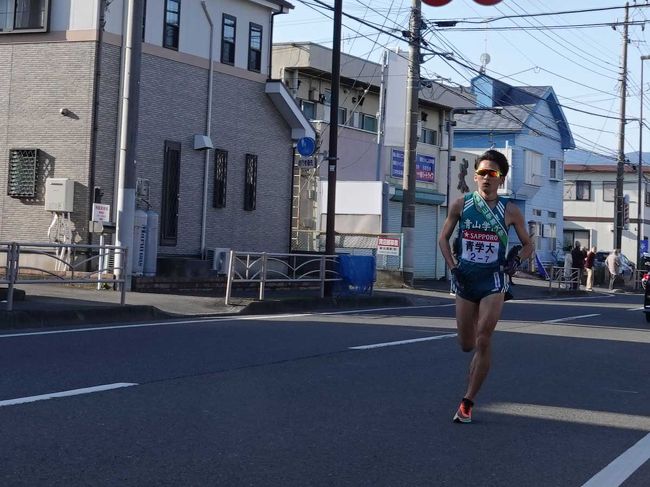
<point>464,413</point>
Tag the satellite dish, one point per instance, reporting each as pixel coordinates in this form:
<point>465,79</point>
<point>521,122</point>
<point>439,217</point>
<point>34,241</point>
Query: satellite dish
<point>485,59</point>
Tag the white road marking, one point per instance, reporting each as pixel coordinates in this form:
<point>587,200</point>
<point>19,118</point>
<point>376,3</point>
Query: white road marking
<point>640,308</point>
<point>622,467</point>
<point>73,392</point>
<point>559,320</point>
<point>207,319</point>
<point>402,342</point>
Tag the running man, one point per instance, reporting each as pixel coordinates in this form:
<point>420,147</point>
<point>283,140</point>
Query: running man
<point>479,276</point>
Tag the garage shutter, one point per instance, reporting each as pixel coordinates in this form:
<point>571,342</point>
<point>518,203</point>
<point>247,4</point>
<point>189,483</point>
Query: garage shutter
<point>426,237</point>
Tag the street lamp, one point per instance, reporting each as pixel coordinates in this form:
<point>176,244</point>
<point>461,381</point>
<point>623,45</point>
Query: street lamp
<point>640,169</point>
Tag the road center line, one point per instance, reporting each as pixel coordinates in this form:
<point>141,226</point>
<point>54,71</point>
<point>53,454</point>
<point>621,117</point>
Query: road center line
<point>622,467</point>
<point>402,342</point>
<point>570,318</point>
<point>73,392</point>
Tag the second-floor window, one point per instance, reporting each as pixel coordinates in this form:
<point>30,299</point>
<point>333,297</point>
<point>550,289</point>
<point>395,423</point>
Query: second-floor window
<point>255,48</point>
<point>555,169</point>
<point>308,109</point>
<point>367,122</point>
<point>609,190</point>
<point>533,168</point>
<point>577,190</point>
<point>428,136</point>
<point>23,16</point>
<point>228,31</point>
<point>172,23</point>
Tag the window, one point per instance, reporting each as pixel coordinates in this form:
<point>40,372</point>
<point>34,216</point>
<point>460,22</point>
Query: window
<point>368,122</point>
<point>647,195</point>
<point>250,183</point>
<point>533,168</point>
<point>308,109</point>
<point>255,48</point>
<point>552,214</point>
<point>537,212</point>
<point>609,191</point>
<point>18,16</point>
<point>23,170</point>
<point>577,190</point>
<point>343,116</point>
<point>170,193</point>
<point>220,177</point>
<point>555,169</point>
<point>172,22</point>
<point>228,30</point>
<point>428,136</point>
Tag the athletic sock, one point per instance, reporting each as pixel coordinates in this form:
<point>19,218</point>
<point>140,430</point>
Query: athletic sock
<point>468,402</point>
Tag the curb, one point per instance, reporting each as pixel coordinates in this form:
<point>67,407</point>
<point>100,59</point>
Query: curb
<point>91,315</point>
<point>321,304</point>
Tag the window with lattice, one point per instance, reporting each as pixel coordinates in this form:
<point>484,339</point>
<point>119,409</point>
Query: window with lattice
<point>23,168</point>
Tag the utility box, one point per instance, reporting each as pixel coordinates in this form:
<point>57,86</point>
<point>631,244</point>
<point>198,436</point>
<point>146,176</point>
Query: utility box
<point>59,194</point>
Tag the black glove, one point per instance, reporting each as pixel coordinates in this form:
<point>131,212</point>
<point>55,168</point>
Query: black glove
<point>458,279</point>
<point>513,261</point>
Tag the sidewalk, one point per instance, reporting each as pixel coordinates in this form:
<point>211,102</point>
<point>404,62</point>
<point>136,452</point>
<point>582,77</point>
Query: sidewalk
<point>47,305</point>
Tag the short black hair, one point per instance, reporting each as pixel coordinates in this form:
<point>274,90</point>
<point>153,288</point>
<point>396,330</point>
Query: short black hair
<point>494,156</point>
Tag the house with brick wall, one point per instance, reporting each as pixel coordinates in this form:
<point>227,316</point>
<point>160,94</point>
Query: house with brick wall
<point>60,92</point>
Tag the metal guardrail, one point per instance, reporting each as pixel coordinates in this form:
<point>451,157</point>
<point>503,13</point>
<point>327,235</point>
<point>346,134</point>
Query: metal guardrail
<point>571,281</point>
<point>263,268</point>
<point>67,261</point>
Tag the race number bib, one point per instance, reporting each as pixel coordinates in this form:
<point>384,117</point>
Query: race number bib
<point>480,246</point>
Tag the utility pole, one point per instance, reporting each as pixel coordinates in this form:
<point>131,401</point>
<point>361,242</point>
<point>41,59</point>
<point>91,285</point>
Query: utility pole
<point>640,226</point>
<point>332,156</point>
<point>618,208</point>
<point>128,138</point>
<point>410,144</point>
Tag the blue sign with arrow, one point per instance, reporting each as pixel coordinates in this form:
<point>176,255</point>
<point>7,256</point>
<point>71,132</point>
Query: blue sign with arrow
<point>306,146</point>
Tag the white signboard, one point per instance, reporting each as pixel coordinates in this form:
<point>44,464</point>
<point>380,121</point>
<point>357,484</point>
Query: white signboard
<point>307,162</point>
<point>101,213</point>
<point>387,246</point>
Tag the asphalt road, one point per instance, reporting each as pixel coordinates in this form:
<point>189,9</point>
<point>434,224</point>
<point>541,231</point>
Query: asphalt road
<point>332,400</point>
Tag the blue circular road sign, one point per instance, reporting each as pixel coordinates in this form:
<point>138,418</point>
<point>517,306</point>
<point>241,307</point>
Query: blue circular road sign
<point>306,146</point>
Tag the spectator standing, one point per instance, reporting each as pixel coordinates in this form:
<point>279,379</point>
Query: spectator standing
<point>568,263</point>
<point>578,262</point>
<point>613,263</point>
<point>589,266</point>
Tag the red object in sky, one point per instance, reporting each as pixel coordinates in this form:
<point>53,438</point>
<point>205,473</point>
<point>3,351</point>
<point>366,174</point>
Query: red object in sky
<point>487,2</point>
<point>436,3</point>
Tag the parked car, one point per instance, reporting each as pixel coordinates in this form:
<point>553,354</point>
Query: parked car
<point>628,267</point>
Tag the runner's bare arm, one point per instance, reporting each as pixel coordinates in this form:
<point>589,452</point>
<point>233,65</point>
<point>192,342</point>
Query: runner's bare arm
<point>516,218</point>
<point>448,230</point>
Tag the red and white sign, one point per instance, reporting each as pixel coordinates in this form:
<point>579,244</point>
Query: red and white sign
<point>101,213</point>
<point>387,246</point>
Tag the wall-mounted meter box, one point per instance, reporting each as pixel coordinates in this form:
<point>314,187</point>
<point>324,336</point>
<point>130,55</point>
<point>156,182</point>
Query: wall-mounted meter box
<point>59,194</point>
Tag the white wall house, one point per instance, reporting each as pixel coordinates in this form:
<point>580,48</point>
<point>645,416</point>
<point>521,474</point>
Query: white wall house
<point>59,54</point>
<point>371,119</point>
<point>589,209</point>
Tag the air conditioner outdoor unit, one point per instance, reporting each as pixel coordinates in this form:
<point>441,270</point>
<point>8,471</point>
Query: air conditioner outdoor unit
<point>220,259</point>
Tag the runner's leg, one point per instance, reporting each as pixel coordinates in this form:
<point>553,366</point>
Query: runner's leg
<point>489,312</point>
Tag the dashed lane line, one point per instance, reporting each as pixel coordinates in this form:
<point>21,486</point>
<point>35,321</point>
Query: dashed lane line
<point>73,392</point>
<point>568,318</point>
<point>402,342</point>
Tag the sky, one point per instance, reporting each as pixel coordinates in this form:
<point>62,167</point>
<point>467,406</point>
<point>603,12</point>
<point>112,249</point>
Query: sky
<point>582,64</point>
